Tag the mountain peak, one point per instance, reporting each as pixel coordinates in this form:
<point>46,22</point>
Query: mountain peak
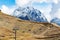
<point>30,13</point>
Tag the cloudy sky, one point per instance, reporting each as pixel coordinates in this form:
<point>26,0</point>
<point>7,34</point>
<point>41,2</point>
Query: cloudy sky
<point>50,8</point>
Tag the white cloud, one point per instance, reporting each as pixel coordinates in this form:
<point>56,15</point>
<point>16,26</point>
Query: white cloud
<point>47,1</point>
<point>7,10</point>
<point>4,9</point>
<point>57,14</point>
<point>56,1</point>
<point>22,2</point>
<point>54,9</point>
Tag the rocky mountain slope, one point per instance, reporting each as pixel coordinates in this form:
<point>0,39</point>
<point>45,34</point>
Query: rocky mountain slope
<point>29,13</point>
<point>56,20</point>
<point>27,30</point>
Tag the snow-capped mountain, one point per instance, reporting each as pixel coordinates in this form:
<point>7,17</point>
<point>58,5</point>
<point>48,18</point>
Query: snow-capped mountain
<point>29,13</point>
<point>56,20</point>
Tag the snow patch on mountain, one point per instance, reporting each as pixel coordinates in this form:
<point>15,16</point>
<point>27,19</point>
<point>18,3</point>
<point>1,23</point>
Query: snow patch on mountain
<point>56,20</point>
<point>29,13</point>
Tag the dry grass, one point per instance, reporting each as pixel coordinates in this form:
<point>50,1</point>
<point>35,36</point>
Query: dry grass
<point>27,30</point>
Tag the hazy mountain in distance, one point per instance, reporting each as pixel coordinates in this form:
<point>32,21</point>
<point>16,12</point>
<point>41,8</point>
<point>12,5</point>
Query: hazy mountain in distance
<point>56,20</point>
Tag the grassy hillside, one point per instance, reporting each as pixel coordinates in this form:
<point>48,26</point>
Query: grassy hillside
<point>27,30</point>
